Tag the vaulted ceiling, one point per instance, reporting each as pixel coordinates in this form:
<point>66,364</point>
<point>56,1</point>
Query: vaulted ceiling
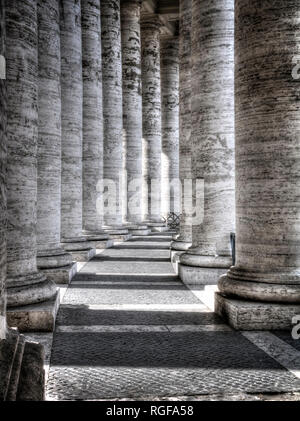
<point>168,10</point>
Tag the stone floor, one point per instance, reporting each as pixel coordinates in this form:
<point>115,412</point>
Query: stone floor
<point>129,329</point>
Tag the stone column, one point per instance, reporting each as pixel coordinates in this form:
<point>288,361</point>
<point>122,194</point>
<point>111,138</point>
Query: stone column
<point>151,94</point>
<point>184,240</point>
<point>51,258</point>
<point>170,186</point>
<point>3,157</point>
<point>71,116</point>
<point>92,123</point>
<point>25,285</point>
<point>262,290</point>
<point>112,112</point>
<point>212,140</point>
<point>132,111</point>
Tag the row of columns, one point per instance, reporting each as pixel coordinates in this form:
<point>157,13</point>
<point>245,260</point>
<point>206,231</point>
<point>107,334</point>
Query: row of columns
<point>239,109</point>
<point>82,103</point>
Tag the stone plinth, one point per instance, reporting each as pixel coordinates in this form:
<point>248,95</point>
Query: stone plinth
<point>263,287</point>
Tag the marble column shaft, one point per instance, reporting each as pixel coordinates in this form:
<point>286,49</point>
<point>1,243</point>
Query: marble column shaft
<point>170,188</point>
<point>151,95</point>
<point>267,163</point>
<point>212,139</point>
<point>112,109</point>
<point>71,117</point>
<point>25,285</point>
<point>132,106</point>
<point>50,254</point>
<point>92,117</point>
<point>3,156</point>
<point>184,240</point>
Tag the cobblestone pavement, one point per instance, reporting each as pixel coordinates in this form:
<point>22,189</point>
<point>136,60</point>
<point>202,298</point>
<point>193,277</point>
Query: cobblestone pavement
<point>129,329</point>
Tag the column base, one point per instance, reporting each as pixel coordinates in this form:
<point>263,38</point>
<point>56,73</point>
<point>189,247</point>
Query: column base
<point>21,369</point>
<point>38,317</point>
<point>196,275</point>
<point>83,255</point>
<point>254,315</point>
<point>61,275</point>
<point>180,245</point>
<point>99,240</point>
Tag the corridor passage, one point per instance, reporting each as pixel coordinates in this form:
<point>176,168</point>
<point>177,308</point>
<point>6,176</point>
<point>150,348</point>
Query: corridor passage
<point>129,328</point>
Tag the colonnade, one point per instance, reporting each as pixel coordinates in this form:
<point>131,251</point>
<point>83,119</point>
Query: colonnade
<point>100,113</point>
<point>81,132</point>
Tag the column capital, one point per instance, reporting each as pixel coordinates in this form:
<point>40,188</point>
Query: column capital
<point>151,21</point>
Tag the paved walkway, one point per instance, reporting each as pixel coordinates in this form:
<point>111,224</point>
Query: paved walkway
<point>128,328</point>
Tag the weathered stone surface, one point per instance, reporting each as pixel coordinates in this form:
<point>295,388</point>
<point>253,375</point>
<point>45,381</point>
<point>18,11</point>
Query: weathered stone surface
<point>25,285</point>
<point>151,96</point>
<point>170,193</point>
<point>16,369</point>
<point>32,376</point>
<point>112,109</point>
<point>92,164</point>
<point>254,315</point>
<point>213,131</point>
<point>132,107</point>
<point>184,240</point>
<point>38,317</point>
<point>50,254</point>
<point>267,164</point>
<point>195,275</point>
<point>3,155</point>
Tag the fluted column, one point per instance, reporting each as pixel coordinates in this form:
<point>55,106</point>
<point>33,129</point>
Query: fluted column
<point>151,94</point>
<point>170,187</point>
<point>132,108</point>
<point>25,285</point>
<point>184,239</point>
<point>92,121</point>
<point>212,140</point>
<point>112,111</point>
<point>71,116</point>
<point>266,277</point>
<point>3,152</point>
<point>51,257</point>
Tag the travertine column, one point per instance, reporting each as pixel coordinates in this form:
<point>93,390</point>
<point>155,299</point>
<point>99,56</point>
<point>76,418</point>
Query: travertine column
<point>51,257</point>
<point>184,240</point>
<point>170,187</point>
<point>132,107</point>
<point>151,93</point>
<point>212,140</point>
<point>3,151</point>
<point>25,285</point>
<point>72,102</point>
<point>112,111</point>
<point>92,121</point>
<point>266,274</point>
